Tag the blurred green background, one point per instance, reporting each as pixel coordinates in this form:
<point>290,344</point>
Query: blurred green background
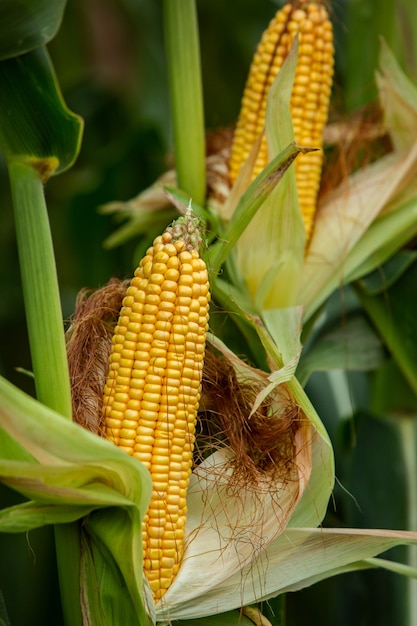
<point>109,58</point>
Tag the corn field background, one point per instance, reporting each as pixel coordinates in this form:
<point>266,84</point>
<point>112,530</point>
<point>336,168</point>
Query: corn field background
<point>109,59</point>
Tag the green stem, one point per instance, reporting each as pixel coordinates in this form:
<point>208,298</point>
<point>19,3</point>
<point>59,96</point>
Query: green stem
<point>47,344</point>
<point>184,73</point>
<point>408,434</point>
<point>67,548</point>
<point>40,289</point>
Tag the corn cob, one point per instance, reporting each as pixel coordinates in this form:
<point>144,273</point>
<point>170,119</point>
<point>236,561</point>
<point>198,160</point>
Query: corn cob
<point>309,99</point>
<point>153,386</point>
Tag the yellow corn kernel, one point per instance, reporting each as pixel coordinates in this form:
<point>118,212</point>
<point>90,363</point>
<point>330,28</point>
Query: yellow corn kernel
<point>309,100</point>
<point>155,422</point>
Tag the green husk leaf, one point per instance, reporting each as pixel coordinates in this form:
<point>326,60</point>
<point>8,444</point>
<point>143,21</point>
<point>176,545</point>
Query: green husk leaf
<point>393,566</point>
<point>251,201</point>
<point>374,213</point>
<point>270,254</point>
<point>398,97</point>
<point>79,458</point>
<point>344,218</point>
<point>296,559</point>
<point>24,517</point>
<point>284,327</point>
<point>238,305</point>
<point>388,234</point>
<point>35,124</point>
<point>28,24</point>
<point>112,562</point>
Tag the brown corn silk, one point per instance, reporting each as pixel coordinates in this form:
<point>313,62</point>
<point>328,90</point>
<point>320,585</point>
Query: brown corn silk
<point>309,99</point>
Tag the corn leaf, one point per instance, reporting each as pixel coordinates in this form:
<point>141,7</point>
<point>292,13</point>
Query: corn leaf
<point>393,314</point>
<point>381,279</point>
<point>349,345</point>
<point>144,225</point>
<point>28,24</point>
<point>72,473</point>
<point>383,476</point>
<point>35,124</point>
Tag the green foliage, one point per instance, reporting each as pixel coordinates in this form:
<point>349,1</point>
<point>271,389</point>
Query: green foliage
<point>35,124</point>
<point>372,418</point>
<point>28,24</point>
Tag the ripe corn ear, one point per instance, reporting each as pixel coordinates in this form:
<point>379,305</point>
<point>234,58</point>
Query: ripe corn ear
<point>153,386</point>
<point>309,99</point>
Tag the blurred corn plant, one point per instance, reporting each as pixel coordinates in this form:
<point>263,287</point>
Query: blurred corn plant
<point>246,541</point>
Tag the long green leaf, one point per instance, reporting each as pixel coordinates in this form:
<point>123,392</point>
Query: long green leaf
<point>383,479</point>
<point>35,124</point>
<point>28,24</point>
<point>72,473</point>
<point>350,344</point>
<point>393,314</point>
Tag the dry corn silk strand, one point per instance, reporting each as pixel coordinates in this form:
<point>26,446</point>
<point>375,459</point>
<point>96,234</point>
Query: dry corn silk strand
<point>146,345</point>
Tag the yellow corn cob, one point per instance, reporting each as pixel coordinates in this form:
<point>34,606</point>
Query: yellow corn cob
<point>309,100</point>
<point>153,387</point>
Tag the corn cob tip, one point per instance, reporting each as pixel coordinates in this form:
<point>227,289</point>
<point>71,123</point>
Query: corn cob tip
<point>188,229</point>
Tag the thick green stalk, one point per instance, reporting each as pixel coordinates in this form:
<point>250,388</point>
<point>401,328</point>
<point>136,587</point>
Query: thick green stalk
<point>184,72</point>
<point>40,289</point>
<point>47,344</point>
